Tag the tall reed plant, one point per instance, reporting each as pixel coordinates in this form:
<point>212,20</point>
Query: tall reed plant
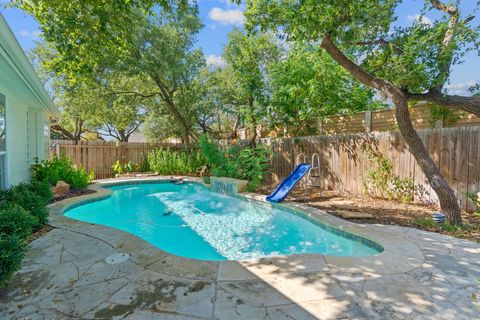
<point>167,162</point>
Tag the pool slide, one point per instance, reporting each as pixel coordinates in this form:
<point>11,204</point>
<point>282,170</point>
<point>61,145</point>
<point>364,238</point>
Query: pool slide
<point>284,188</point>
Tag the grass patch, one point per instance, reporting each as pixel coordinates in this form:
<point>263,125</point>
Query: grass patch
<point>461,231</point>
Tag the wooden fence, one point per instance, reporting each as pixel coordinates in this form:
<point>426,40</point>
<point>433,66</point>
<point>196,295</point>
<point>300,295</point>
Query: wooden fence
<point>384,120</point>
<point>99,156</point>
<point>343,164</point>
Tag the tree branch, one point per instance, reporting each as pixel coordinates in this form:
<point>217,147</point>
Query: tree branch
<point>445,54</point>
<point>64,132</point>
<point>142,95</point>
<point>354,69</point>
<point>382,42</point>
<point>468,104</point>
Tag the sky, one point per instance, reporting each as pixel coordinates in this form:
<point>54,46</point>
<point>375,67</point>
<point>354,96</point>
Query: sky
<point>221,16</point>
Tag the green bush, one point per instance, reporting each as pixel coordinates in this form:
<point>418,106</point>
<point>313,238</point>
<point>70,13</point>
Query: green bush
<point>62,169</point>
<point>22,208</point>
<point>42,189</point>
<point>29,200</point>
<point>250,163</point>
<point>168,162</point>
<point>129,167</point>
<point>16,220</point>
<point>381,181</point>
<point>12,250</point>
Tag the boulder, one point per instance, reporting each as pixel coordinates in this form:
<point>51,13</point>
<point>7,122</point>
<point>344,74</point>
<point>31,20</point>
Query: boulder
<point>61,188</point>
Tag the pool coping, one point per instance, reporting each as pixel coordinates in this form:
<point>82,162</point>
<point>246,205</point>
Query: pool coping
<point>399,255</point>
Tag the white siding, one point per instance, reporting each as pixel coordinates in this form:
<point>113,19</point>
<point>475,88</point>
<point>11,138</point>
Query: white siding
<point>25,138</point>
<point>18,166</point>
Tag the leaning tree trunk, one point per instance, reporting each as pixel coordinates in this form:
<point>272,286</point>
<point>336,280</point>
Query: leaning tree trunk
<point>446,196</point>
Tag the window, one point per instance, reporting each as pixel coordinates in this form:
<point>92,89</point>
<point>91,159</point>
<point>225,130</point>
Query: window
<point>3,144</point>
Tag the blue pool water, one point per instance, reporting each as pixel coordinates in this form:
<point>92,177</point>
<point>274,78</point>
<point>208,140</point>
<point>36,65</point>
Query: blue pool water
<point>191,221</point>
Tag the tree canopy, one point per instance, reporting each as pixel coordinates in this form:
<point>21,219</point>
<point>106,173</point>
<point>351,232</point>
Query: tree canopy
<point>404,63</point>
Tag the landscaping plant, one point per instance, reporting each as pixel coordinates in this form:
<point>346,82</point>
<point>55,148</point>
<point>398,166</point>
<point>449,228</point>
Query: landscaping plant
<point>12,250</point>
<point>23,196</point>
<point>166,162</point>
<point>380,180</point>
<point>249,162</point>
<point>62,169</point>
<point>22,210</point>
<point>16,220</point>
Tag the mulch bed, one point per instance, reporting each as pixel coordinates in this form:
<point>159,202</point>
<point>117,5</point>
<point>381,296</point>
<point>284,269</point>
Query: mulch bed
<point>42,231</point>
<point>384,211</point>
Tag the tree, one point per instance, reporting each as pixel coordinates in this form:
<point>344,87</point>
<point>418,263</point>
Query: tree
<point>411,63</point>
<point>248,56</point>
<point>145,38</point>
<point>308,85</point>
<point>227,99</point>
<point>90,106</point>
<point>81,112</point>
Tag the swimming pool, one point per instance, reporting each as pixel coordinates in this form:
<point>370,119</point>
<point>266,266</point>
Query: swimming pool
<point>191,221</point>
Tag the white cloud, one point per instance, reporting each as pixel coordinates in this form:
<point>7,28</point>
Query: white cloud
<point>421,19</point>
<point>461,89</point>
<point>34,34</point>
<point>214,61</point>
<point>234,17</point>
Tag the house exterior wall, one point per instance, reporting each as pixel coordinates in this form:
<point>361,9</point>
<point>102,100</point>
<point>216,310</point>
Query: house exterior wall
<point>27,110</point>
<point>25,138</point>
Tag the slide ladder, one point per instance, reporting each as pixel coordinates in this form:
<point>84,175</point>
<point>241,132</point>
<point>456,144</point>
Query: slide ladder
<point>303,168</point>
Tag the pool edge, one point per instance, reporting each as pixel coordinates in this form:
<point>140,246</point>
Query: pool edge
<point>398,255</point>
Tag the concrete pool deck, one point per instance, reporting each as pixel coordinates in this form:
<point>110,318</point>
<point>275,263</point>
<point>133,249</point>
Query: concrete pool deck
<point>65,275</point>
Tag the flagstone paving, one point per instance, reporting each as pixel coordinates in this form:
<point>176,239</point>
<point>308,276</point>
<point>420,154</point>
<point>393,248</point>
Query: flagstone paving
<point>66,275</point>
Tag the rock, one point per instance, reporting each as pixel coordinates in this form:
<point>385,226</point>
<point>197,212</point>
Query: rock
<point>61,188</point>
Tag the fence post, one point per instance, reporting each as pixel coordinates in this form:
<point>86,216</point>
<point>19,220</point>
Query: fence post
<point>368,121</point>
<point>57,150</point>
<point>320,126</point>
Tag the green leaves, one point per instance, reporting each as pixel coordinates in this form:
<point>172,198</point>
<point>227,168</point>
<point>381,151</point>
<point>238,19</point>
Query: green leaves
<point>308,84</point>
<point>411,57</point>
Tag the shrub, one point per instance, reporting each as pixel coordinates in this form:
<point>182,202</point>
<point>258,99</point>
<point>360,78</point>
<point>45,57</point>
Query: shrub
<point>168,162</point>
<point>130,166</point>
<point>12,250</point>
<point>52,171</point>
<point>22,208</point>
<point>23,196</point>
<point>249,163</point>
<point>16,220</point>
<point>381,181</point>
<point>42,189</point>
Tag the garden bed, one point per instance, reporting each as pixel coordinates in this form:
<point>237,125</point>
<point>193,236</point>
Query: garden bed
<point>386,212</point>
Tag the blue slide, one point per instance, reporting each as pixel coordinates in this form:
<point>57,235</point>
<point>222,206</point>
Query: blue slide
<point>284,188</point>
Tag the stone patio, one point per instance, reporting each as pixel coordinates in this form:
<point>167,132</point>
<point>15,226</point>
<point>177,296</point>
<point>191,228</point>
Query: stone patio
<point>65,276</point>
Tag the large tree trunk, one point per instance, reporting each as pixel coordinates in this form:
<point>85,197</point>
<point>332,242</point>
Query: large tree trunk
<point>446,196</point>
